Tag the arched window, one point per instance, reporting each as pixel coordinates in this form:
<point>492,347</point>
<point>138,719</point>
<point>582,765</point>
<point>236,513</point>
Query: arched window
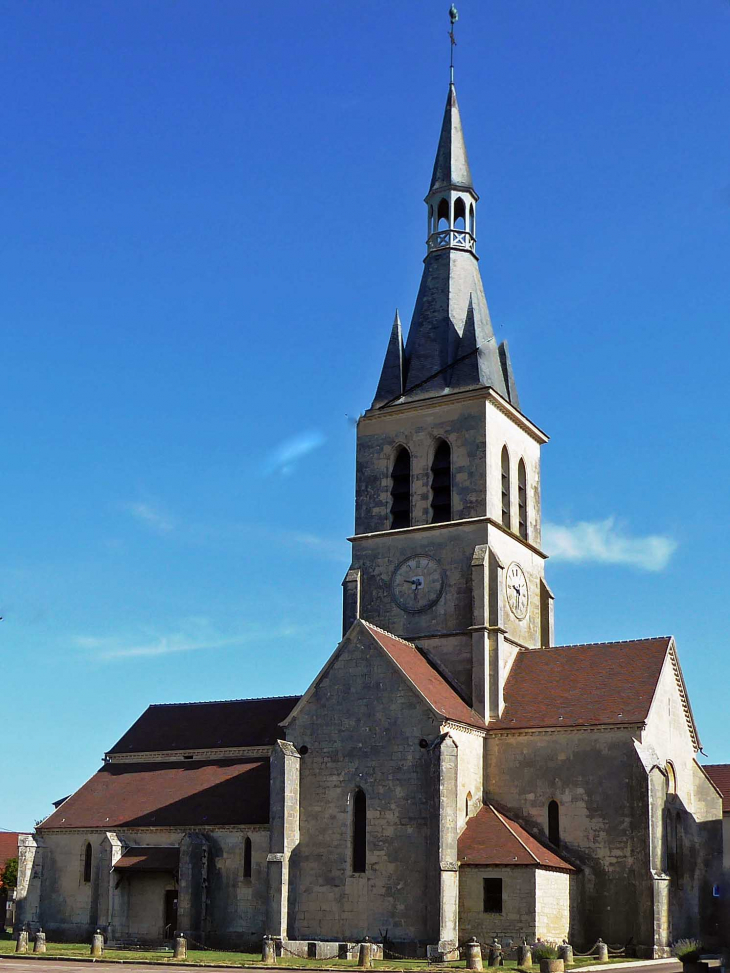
<point>468,803</point>
<point>471,219</point>
<point>554,823</point>
<point>443,214</point>
<point>459,214</point>
<point>400,490</point>
<point>522,498</point>
<point>506,489</point>
<point>247,858</point>
<point>359,831</point>
<point>87,862</point>
<point>441,484</point>
<point>671,779</point>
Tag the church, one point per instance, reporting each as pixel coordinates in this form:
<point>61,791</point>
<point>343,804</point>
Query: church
<point>450,772</point>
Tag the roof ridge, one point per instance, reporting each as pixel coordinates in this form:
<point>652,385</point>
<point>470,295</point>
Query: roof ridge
<point>586,645</point>
<point>514,834</point>
<point>209,702</point>
<point>390,635</point>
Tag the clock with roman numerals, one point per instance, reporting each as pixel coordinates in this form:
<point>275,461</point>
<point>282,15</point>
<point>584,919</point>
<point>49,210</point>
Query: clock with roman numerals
<point>417,583</point>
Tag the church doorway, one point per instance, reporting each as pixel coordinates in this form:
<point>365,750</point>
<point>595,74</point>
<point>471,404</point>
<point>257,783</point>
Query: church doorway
<point>170,913</point>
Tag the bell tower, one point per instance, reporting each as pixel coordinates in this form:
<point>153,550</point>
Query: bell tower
<point>446,551</point>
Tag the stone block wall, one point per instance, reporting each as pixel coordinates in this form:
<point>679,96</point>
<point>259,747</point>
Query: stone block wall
<point>518,916</point>
<point>552,905</point>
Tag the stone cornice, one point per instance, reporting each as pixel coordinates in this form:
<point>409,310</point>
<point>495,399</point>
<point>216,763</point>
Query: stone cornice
<point>551,730</point>
<point>121,829</point>
<point>222,753</point>
<point>462,728</point>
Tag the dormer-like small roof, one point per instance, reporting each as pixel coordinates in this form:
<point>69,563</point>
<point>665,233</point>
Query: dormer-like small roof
<point>491,838</point>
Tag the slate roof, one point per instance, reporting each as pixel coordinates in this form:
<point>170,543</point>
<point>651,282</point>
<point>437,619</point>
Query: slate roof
<point>425,678</point>
<point>149,859</point>
<point>719,774</point>
<point>491,838</point>
<point>207,726</point>
<point>169,794</point>
<point>583,685</point>
<point>451,166</point>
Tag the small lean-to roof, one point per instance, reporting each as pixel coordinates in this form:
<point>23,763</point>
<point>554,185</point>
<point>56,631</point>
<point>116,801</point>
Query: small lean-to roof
<point>207,726</point>
<point>425,678</point>
<point>491,838</point>
<point>598,684</point>
<point>179,793</point>
<point>719,774</point>
<point>148,858</point>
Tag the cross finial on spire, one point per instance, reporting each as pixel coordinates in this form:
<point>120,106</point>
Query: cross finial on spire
<point>453,17</point>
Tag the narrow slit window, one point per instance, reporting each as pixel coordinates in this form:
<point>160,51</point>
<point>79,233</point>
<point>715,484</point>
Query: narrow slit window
<point>400,490</point>
<point>679,853</point>
<point>441,484</point>
<point>247,857</point>
<point>522,498</point>
<point>87,862</point>
<point>506,490</point>
<point>359,831</point>
<point>554,823</point>
<point>493,895</point>
<point>459,214</point>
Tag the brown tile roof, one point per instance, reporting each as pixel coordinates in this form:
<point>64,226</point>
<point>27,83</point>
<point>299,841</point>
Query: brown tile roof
<point>491,838</point>
<point>174,794</point>
<point>149,859</point>
<point>427,680</point>
<point>583,685</point>
<point>207,726</point>
<point>719,774</point>
<point>8,847</point>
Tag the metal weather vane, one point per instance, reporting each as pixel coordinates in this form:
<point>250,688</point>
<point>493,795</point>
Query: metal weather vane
<point>453,17</point>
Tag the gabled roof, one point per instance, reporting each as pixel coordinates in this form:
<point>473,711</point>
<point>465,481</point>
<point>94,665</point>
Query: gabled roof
<point>207,726</point>
<point>184,793</point>
<point>491,838</point>
<point>719,774</point>
<point>598,684</point>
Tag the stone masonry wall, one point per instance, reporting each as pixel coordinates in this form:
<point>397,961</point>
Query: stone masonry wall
<point>517,918</point>
<point>552,901</point>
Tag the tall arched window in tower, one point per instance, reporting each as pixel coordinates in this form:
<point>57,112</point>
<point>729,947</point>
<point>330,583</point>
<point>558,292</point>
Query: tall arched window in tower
<point>247,858</point>
<point>522,498</point>
<point>459,214</point>
<point>554,823</point>
<point>359,831</point>
<point>442,216</point>
<point>441,483</point>
<point>87,862</point>
<point>400,490</point>
<point>506,489</point>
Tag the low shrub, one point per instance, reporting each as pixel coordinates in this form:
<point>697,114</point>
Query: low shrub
<point>541,951</point>
<point>687,950</point>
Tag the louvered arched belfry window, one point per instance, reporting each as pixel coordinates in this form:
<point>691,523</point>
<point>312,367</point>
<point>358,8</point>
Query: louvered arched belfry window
<point>522,498</point>
<point>400,490</point>
<point>441,483</point>
<point>506,490</point>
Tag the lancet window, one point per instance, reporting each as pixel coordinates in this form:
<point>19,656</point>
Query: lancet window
<point>441,484</point>
<point>506,490</point>
<point>400,490</point>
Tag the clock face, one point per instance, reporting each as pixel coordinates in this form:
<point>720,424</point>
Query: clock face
<point>517,597</point>
<point>417,583</point>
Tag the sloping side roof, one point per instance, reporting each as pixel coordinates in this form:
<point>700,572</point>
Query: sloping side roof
<point>169,794</point>
<point>207,726</point>
<point>491,838</point>
<point>583,685</point>
<point>719,774</point>
<point>427,680</point>
<point>149,859</point>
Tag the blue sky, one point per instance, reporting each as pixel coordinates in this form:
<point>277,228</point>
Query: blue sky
<point>210,213</point>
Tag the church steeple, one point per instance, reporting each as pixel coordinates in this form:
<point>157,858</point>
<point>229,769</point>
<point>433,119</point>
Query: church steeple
<point>451,344</point>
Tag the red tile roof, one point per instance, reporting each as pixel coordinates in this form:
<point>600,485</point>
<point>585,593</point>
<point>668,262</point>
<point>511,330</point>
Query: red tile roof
<point>8,847</point>
<point>583,685</point>
<point>175,794</point>
<point>427,680</point>
<point>491,838</point>
<point>149,859</point>
<point>207,726</point>
<point>719,774</point>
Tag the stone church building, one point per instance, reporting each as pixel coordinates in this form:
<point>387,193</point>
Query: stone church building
<point>450,772</point>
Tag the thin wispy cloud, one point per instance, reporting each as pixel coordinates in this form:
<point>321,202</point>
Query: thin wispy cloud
<point>606,542</point>
<point>282,459</point>
<point>151,515</point>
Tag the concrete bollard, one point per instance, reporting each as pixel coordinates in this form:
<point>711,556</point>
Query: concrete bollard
<point>552,966</point>
<point>495,953</point>
<point>565,953</point>
<point>21,945</point>
<point>473,954</point>
<point>39,945</point>
<point>365,955</point>
<point>524,954</point>
<point>180,947</point>
<point>268,952</point>
<point>97,944</point>
<point>602,955</point>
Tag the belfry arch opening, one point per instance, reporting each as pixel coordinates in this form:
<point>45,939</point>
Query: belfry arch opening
<point>506,490</point>
<point>441,483</point>
<point>522,499</point>
<point>459,214</point>
<point>442,216</point>
<point>400,490</point>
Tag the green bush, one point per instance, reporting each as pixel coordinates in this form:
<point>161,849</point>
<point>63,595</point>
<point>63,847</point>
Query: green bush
<point>542,951</point>
<point>687,950</point>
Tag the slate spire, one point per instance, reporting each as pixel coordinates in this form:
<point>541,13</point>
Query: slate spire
<point>451,167</point>
<point>390,385</point>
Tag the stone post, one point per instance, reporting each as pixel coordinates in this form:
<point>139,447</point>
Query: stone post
<point>524,954</point>
<point>365,956</point>
<point>602,956</point>
<point>473,954</point>
<point>30,877</point>
<point>21,945</point>
<point>283,834</point>
<point>565,953</point>
<point>39,945</point>
<point>193,885</point>
<point>268,952</point>
<point>495,953</point>
<point>97,944</point>
<point>112,902</point>
<point>180,950</point>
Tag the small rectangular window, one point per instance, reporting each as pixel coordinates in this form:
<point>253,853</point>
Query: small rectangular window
<point>493,895</point>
